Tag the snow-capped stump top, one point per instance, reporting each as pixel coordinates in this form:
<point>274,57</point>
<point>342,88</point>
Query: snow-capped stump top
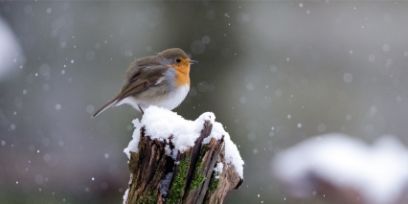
<point>174,160</point>
<point>165,125</point>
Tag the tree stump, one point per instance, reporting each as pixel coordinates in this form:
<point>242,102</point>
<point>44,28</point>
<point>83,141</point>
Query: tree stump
<point>197,175</point>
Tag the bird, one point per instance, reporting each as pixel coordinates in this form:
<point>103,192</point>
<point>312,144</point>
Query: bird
<point>161,80</point>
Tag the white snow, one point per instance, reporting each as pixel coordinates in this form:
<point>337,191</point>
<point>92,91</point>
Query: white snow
<point>378,172</point>
<point>10,50</point>
<point>218,169</point>
<point>133,144</point>
<point>232,155</point>
<point>125,195</point>
<point>161,124</point>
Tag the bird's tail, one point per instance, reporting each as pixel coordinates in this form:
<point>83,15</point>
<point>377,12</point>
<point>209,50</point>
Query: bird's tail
<point>105,107</point>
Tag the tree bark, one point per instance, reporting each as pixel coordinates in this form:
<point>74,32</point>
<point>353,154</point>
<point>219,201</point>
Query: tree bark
<point>156,178</point>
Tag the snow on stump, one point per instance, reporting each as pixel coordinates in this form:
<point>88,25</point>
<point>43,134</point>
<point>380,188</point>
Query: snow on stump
<point>177,161</point>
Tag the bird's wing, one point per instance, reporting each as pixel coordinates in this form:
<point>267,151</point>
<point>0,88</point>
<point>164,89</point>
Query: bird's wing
<point>143,79</point>
<point>142,63</point>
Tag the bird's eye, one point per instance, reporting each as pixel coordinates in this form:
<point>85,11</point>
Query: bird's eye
<point>178,60</point>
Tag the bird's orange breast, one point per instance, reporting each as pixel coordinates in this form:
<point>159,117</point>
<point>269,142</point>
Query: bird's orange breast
<point>182,74</point>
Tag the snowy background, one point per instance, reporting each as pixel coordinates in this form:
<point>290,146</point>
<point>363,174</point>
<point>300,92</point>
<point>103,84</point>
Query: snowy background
<point>274,73</point>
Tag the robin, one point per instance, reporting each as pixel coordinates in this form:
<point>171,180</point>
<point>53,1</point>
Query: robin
<point>162,80</point>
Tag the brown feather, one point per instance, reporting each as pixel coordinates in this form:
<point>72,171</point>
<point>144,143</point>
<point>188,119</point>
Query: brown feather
<point>105,107</point>
<point>144,79</point>
<point>138,64</point>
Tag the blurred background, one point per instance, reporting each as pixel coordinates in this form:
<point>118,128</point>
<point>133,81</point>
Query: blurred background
<point>274,73</point>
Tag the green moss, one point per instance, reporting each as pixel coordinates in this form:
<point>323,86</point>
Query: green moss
<point>148,198</point>
<point>213,184</point>
<point>199,178</point>
<point>178,184</point>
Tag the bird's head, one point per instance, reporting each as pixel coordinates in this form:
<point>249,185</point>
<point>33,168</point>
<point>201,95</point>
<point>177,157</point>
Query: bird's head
<point>177,58</point>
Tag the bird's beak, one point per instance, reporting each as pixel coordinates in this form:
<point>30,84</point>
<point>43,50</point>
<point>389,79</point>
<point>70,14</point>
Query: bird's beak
<point>193,61</point>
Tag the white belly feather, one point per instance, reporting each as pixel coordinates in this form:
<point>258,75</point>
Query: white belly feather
<point>169,101</point>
